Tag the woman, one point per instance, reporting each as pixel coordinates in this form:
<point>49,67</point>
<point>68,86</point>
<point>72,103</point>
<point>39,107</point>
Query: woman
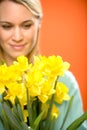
<point>19,28</point>
<point>20,22</point>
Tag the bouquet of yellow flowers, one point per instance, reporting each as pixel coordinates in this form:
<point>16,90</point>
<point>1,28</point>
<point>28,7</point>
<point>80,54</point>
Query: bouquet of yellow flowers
<point>30,91</point>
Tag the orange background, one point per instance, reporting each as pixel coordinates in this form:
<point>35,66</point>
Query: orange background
<point>64,33</point>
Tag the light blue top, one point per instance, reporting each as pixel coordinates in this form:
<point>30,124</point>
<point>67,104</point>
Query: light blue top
<point>76,109</point>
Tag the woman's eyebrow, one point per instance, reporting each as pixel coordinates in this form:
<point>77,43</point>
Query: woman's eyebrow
<point>29,20</point>
<point>5,22</point>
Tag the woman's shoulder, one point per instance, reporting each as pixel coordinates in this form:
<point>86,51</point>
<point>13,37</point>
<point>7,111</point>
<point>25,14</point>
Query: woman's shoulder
<point>68,76</point>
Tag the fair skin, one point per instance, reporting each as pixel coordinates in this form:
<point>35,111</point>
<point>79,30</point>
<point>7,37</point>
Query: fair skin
<point>18,30</point>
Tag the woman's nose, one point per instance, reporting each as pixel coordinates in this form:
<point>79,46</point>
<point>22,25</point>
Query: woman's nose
<point>17,34</point>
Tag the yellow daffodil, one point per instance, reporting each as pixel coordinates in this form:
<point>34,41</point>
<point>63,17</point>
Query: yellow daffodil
<point>61,93</point>
<point>39,78</point>
<point>54,112</point>
<point>46,91</point>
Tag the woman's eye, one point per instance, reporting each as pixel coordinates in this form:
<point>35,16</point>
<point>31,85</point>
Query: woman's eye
<point>7,27</point>
<point>27,26</point>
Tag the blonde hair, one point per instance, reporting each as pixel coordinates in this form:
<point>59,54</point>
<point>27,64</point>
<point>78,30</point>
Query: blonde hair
<point>35,7</point>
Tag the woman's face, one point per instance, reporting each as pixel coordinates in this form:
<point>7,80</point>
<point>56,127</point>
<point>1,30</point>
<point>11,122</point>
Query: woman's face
<point>18,29</point>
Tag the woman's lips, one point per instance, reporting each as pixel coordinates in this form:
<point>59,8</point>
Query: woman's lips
<point>18,47</point>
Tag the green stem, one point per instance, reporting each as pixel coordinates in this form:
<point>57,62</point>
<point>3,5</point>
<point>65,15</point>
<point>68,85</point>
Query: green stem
<point>29,108</point>
<point>50,108</point>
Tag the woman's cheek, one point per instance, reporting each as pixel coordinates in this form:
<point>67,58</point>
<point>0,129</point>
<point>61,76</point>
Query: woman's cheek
<point>5,35</point>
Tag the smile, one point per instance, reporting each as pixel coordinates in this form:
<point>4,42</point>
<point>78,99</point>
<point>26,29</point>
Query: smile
<point>18,47</point>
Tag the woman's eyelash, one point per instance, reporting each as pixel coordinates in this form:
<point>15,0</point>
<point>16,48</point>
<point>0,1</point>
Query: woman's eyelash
<point>6,26</point>
<point>27,25</point>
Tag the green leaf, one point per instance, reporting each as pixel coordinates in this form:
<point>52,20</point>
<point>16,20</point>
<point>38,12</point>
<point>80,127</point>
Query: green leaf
<point>24,126</point>
<point>35,109</point>
<point>15,111</point>
<point>17,101</point>
<point>11,117</point>
<point>20,112</point>
<point>78,122</point>
<point>38,119</point>
<point>4,121</point>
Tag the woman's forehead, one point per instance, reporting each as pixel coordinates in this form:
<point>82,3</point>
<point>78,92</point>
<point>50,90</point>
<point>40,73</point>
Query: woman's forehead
<point>14,11</point>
